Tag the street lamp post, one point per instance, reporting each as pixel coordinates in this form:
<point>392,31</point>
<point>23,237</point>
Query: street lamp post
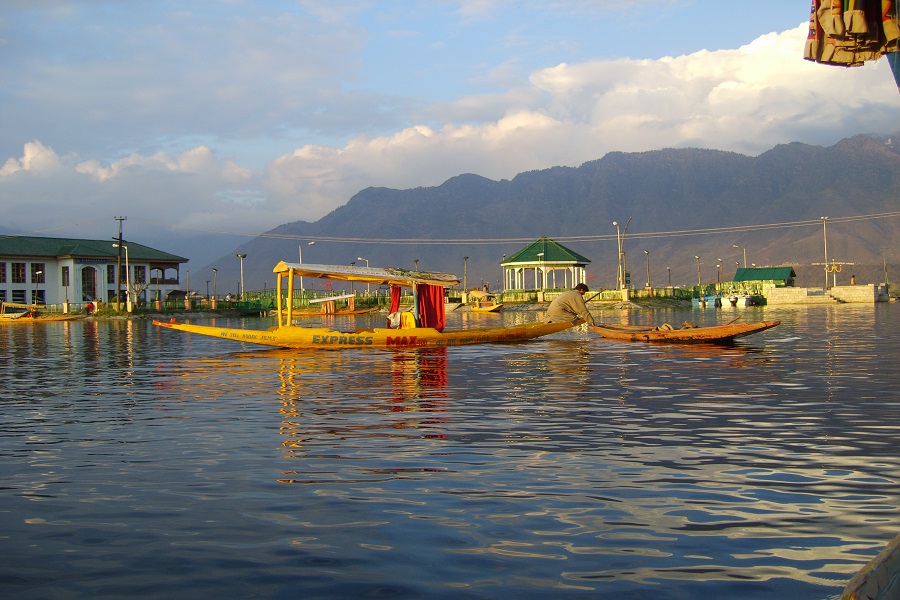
<point>367,266</point>
<point>745,254</point>
<point>825,242</point>
<point>215,298</point>
<point>718,301</point>
<point>669,271</point>
<point>699,284</point>
<point>541,262</point>
<point>37,288</point>
<point>159,275</point>
<point>241,257</point>
<point>127,279</point>
<point>647,252</point>
<point>465,267</point>
<point>416,261</point>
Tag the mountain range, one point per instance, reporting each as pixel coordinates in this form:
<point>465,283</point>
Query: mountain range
<point>677,204</point>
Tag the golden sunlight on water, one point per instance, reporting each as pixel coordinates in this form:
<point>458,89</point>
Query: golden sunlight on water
<point>566,466</point>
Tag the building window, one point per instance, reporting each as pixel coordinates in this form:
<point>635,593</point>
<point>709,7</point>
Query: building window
<point>3,272</point>
<point>37,273</point>
<point>18,296</point>
<point>110,273</point>
<point>140,274</point>
<point>18,272</point>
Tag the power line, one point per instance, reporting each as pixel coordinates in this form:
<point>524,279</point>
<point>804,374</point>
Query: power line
<point>570,239</point>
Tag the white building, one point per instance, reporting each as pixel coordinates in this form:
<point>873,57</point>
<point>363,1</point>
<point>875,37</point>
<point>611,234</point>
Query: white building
<point>66,271</point>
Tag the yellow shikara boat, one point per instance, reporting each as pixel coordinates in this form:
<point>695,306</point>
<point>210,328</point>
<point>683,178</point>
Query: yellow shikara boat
<point>484,302</point>
<point>422,328</point>
<point>30,313</point>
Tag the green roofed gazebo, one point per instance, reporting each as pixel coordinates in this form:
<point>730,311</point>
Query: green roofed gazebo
<point>544,264</point>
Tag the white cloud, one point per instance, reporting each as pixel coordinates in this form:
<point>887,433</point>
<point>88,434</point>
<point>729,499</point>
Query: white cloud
<point>746,99</point>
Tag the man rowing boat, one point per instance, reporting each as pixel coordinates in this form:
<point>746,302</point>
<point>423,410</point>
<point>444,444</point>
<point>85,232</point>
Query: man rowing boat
<point>569,306</point>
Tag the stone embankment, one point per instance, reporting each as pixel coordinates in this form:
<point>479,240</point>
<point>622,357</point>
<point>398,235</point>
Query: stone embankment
<point>860,294</point>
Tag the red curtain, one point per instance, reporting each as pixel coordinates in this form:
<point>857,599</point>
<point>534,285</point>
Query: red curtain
<point>431,306</point>
<point>395,301</point>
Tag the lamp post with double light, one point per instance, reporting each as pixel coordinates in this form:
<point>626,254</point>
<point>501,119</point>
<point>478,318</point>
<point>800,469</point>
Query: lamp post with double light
<point>619,256</point>
<point>825,241</point>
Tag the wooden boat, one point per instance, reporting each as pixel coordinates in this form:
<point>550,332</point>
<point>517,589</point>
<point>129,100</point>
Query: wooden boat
<point>486,305</point>
<point>30,313</point>
<point>687,334</point>
<point>484,302</point>
<point>422,329</point>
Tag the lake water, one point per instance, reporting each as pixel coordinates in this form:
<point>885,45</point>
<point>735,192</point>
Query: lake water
<point>145,463</point>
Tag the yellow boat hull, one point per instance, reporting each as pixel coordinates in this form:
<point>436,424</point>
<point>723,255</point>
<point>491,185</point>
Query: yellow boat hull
<point>49,319</point>
<point>322,338</point>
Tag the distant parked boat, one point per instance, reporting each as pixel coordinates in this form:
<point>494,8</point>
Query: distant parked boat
<point>708,301</point>
<point>738,300</point>
<point>486,304</point>
<point>13,312</point>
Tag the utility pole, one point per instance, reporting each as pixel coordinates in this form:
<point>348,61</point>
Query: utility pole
<point>119,264</point>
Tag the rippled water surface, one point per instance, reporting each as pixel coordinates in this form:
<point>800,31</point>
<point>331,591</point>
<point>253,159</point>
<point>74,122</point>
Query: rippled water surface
<point>146,463</point>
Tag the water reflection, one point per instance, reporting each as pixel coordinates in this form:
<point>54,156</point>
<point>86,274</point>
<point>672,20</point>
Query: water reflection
<point>568,466</point>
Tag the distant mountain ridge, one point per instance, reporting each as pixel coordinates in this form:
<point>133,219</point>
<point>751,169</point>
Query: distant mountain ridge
<point>667,194</point>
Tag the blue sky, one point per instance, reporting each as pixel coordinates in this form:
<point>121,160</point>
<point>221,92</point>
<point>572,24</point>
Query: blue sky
<point>236,117</point>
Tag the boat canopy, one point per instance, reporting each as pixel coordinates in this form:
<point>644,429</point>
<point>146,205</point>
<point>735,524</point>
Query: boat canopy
<point>373,275</point>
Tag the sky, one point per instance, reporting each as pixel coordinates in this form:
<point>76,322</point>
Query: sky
<point>234,117</point>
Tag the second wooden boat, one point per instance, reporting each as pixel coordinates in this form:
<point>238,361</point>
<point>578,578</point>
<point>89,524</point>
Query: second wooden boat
<point>716,334</point>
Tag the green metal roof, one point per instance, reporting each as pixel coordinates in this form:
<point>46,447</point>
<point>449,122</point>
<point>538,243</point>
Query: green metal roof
<point>552,253</point>
<point>765,274</point>
<point>24,246</point>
